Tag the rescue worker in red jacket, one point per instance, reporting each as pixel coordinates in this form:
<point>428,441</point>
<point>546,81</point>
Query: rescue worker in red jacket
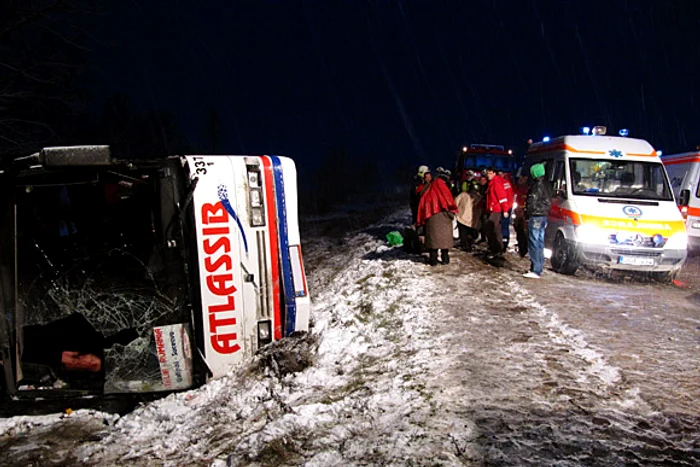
<point>498,203</point>
<point>505,219</point>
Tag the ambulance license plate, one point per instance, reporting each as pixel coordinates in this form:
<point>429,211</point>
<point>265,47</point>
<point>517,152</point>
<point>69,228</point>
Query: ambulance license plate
<point>636,260</point>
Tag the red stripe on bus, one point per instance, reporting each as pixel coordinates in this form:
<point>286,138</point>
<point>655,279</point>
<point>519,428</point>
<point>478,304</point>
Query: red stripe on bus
<point>274,244</point>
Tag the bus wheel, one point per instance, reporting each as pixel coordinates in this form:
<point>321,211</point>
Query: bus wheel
<point>563,257</point>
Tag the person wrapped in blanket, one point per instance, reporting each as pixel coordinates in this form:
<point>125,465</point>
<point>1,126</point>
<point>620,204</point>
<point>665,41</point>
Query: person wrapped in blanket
<point>436,210</point>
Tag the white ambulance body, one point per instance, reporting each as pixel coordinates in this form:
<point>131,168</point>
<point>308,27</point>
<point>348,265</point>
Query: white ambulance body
<point>251,275</point>
<point>684,172</point>
<point>613,206</point>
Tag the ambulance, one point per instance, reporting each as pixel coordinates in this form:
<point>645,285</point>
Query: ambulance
<point>143,275</point>
<point>613,206</point>
<point>684,172</point>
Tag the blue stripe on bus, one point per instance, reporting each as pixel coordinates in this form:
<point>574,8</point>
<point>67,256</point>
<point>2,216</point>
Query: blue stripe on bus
<point>290,303</point>
<point>223,197</point>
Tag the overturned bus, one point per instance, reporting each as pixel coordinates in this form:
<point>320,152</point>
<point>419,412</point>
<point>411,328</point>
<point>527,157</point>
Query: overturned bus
<point>143,276</point>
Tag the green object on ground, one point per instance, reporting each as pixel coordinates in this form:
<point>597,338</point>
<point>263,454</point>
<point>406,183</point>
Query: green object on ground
<point>394,238</point>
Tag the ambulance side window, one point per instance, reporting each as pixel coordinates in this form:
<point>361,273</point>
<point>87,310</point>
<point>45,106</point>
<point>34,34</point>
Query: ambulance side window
<point>547,169</point>
<point>559,179</point>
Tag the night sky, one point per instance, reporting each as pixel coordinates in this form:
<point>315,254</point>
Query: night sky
<point>406,81</point>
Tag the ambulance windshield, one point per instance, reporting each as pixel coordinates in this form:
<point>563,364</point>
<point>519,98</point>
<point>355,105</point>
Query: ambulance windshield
<point>619,179</point>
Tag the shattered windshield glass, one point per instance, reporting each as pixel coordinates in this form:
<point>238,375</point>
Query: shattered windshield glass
<point>95,277</point>
<point>619,179</point>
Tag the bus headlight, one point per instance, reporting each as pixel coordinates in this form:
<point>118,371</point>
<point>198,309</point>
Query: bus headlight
<point>677,241</point>
<point>256,217</point>
<point>264,332</point>
<point>256,204</point>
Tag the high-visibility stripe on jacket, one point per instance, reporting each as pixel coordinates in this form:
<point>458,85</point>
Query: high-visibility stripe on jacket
<point>498,198</point>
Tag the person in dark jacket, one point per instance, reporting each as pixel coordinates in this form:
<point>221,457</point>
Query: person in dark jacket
<point>539,200</point>
<point>519,221</point>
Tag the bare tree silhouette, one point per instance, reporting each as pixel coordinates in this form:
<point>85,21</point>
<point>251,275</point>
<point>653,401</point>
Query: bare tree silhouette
<point>42,49</point>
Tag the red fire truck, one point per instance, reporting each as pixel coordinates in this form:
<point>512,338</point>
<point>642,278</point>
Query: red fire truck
<point>478,156</point>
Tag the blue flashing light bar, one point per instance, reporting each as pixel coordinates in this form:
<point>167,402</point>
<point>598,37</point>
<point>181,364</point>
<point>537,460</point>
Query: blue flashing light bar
<point>545,139</point>
<point>586,130</point>
<point>623,132</point>
<point>659,152</point>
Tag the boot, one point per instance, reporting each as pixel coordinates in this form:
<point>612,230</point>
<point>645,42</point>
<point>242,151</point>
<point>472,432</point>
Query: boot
<point>433,258</point>
<point>445,256</point>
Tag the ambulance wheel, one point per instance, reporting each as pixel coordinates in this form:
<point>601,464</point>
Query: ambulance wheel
<point>666,276</point>
<point>563,256</point>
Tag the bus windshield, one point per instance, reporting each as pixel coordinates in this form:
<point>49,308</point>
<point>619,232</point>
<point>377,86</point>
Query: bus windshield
<point>619,179</point>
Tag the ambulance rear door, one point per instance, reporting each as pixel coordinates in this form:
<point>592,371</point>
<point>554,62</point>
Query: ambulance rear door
<point>684,174</point>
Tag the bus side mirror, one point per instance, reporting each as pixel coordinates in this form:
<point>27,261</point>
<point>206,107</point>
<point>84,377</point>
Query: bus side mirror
<point>684,198</point>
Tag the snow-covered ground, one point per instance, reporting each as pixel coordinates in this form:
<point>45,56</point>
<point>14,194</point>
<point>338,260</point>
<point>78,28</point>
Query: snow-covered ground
<point>409,365</point>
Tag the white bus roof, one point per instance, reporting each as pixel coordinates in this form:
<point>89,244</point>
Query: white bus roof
<point>597,146</point>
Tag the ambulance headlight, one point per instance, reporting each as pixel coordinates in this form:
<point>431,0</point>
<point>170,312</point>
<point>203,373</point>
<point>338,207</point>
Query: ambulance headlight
<point>677,241</point>
<point>592,235</point>
<point>264,332</point>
